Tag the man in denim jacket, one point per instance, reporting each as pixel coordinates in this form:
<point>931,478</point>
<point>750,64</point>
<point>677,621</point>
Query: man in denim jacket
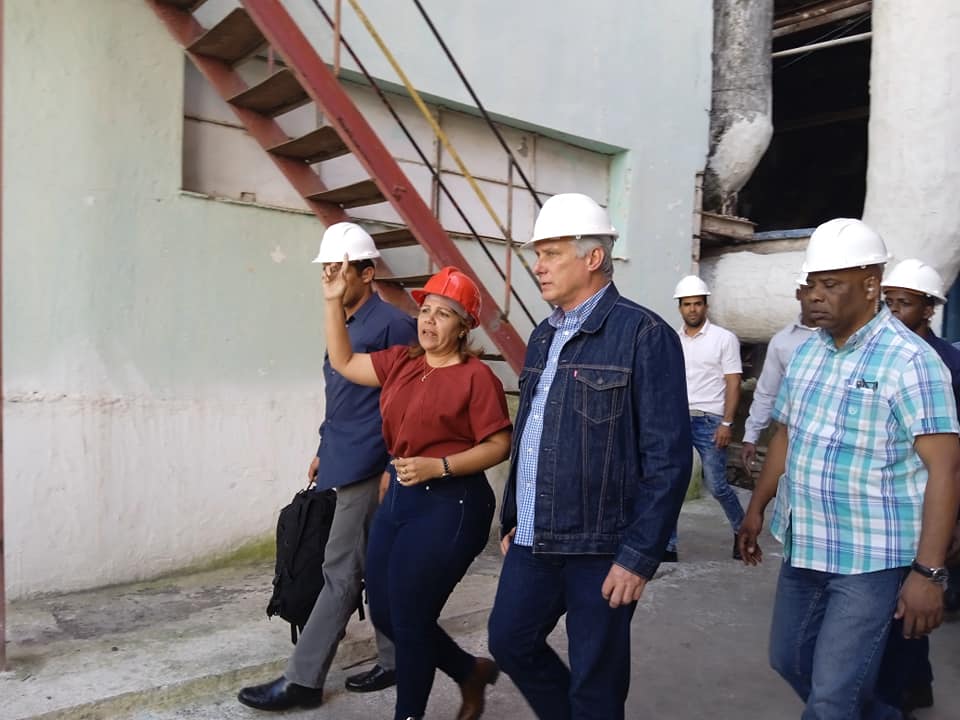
<point>600,464</point>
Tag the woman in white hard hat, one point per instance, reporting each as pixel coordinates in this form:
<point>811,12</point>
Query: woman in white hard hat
<point>445,421</point>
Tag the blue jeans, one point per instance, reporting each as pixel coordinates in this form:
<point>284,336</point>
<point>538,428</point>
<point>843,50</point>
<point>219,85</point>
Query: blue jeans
<point>534,592</point>
<point>423,539</point>
<point>714,461</point>
<point>827,639</point>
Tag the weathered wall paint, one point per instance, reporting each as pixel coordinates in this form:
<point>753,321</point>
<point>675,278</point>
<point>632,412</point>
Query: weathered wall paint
<point>913,174</point>
<point>162,353</point>
<point>162,367</point>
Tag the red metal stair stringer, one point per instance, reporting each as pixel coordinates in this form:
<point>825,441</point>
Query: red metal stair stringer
<point>343,115</point>
<point>265,130</point>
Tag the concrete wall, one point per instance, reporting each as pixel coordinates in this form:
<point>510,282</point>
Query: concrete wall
<point>162,367</point>
<point>162,364</point>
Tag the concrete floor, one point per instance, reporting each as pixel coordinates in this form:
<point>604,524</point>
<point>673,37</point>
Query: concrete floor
<point>181,647</point>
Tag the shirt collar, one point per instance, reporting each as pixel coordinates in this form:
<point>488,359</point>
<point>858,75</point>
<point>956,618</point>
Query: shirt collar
<point>580,313</point>
<point>364,310</point>
<point>702,331</point>
<point>861,335</point>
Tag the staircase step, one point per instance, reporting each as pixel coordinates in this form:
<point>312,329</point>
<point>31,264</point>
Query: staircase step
<point>389,239</point>
<point>362,193</point>
<point>188,5</point>
<point>279,93</point>
<point>316,146</point>
<point>232,39</point>
<point>407,281</point>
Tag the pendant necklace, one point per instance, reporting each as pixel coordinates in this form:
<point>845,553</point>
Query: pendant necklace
<point>428,373</point>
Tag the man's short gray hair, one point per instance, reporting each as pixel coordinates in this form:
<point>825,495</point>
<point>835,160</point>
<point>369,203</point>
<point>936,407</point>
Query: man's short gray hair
<point>586,243</point>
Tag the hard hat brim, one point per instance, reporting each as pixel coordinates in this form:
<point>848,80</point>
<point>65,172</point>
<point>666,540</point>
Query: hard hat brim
<point>938,298</point>
<point>533,241</point>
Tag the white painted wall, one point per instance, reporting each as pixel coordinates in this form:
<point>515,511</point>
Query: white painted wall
<point>162,367</point>
<point>913,177</point>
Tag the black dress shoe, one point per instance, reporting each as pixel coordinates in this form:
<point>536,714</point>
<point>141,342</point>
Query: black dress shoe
<point>669,556</point>
<point>280,694</point>
<point>376,678</point>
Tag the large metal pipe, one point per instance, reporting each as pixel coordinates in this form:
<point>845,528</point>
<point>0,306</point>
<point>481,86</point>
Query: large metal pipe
<point>741,122</point>
<point>913,172</point>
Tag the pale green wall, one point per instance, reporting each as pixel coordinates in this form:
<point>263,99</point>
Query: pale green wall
<point>162,353</point>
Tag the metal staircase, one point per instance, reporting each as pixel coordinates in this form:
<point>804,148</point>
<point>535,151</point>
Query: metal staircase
<point>304,78</point>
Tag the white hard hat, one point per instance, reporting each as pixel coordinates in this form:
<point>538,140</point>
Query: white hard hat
<point>345,238</point>
<point>690,286</point>
<point>843,243</point>
<point>916,275</point>
<point>571,215</point>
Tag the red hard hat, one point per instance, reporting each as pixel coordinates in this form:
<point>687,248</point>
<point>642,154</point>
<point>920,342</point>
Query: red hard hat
<point>451,283</point>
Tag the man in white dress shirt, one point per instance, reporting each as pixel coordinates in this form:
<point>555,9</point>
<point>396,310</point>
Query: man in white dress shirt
<point>712,358</point>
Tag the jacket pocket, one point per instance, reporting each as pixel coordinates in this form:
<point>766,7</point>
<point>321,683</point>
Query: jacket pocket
<point>600,393</point>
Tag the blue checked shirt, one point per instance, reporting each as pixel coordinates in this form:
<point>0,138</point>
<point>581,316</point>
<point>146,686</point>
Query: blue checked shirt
<point>851,498</point>
<point>567,324</point>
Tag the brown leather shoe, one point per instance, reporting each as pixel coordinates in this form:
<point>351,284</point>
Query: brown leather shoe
<point>485,672</point>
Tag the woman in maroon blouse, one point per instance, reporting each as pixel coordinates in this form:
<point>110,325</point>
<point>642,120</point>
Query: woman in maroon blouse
<point>445,421</point>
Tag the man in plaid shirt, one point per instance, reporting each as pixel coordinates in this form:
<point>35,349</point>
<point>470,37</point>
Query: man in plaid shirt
<point>866,456</point>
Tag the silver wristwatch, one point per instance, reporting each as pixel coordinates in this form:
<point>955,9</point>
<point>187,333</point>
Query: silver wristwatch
<point>939,575</point>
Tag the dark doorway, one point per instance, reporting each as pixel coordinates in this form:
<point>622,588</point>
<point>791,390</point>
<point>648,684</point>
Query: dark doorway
<point>815,167</point>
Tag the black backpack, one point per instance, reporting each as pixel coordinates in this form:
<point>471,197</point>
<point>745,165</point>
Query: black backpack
<point>302,532</point>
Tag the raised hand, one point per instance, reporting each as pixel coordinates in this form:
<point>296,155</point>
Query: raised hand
<point>335,279</point>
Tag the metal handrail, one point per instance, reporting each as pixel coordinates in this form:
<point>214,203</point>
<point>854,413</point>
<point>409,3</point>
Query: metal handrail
<point>433,171</point>
<point>476,100</point>
<point>428,116</point>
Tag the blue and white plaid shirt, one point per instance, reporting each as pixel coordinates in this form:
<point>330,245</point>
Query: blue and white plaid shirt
<point>851,498</point>
<point>567,324</point>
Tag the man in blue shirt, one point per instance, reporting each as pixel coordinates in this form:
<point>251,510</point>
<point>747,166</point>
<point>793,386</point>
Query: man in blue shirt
<point>351,458</point>
<point>912,291</point>
<point>600,464</point>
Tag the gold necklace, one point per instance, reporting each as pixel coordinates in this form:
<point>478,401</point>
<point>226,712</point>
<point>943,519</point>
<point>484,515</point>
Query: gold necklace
<point>423,378</point>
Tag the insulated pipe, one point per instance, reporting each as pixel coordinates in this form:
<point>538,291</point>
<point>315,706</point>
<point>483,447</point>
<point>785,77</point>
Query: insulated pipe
<point>741,122</point>
<point>913,172</point>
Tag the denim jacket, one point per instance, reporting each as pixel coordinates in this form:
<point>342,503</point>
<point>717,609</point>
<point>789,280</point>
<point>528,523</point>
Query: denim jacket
<point>615,454</point>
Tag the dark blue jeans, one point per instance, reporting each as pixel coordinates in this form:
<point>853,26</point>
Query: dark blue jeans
<point>534,592</point>
<point>827,639</point>
<point>906,666</point>
<point>421,543</point>
<point>714,462</point>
